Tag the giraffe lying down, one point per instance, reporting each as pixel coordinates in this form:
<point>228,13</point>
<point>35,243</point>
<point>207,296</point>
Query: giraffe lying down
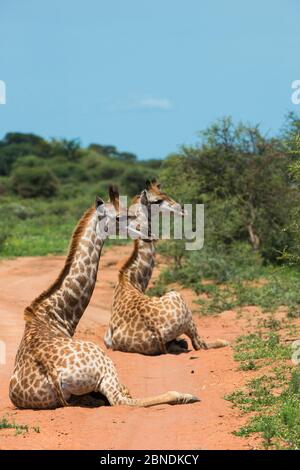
<point>51,367</point>
<point>140,323</point>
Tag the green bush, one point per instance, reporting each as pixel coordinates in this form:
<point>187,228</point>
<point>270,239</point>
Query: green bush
<point>34,182</point>
<point>104,170</point>
<point>66,170</point>
<point>28,161</point>
<point>133,180</point>
<point>220,262</point>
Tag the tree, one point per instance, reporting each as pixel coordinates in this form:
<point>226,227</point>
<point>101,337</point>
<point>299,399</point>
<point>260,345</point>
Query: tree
<point>10,153</point>
<point>239,165</point>
<point>291,137</point>
<point>21,138</point>
<point>16,144</point>
<point>70,149</point>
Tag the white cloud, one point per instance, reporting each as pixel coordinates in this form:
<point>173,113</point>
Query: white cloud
<point>154,103</point>
<point>137,102</point>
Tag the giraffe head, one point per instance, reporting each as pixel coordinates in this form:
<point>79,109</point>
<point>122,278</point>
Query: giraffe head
<point>112,214</point>
<point>155,197</point>
<point>151,201</point>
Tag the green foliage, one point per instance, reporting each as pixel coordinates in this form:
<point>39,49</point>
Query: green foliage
<point>251,210</point>
<point>34,181</point>
<point>291,254</point>
<point>242,178</point>
<point>29,161</point>
<point>20,428</point>
<point>252,347</point>
<point>273,292</point>
<point>45,187</point>
<point>240,175</point>
<point>220,263</point>
<point>112,152</point>
<point>133,179</point>
<point>273,398</point>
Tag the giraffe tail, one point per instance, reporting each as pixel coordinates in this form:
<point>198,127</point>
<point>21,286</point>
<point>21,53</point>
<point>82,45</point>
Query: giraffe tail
<point>171,398</point>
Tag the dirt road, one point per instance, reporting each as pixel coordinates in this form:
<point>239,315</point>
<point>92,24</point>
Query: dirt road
<point>209,374</point>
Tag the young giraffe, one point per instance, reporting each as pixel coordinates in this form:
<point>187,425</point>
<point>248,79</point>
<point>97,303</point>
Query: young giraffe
<point>143,324</point>
<point>51,367</point>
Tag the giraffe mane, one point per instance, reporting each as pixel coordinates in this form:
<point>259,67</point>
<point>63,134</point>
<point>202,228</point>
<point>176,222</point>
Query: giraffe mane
<point>77,234</point>
<point>129,261</point>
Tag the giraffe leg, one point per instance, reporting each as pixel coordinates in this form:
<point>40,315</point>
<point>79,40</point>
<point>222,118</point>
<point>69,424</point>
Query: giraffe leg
<point>100,375</point>
<point>162,348</point>
<point>117,394</point>
<point>192,333</point>
<point>199,343</point>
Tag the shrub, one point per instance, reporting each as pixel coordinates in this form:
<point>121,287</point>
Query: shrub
<point>221,263</point>
<point>28,161</point>
<point>133,180</point>
<point>34,182</point>
<point>104,170</point>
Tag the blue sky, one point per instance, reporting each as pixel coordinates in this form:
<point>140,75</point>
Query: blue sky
<point>145,75</point>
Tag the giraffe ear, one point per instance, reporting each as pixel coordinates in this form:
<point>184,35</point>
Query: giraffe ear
<point>98,202</point>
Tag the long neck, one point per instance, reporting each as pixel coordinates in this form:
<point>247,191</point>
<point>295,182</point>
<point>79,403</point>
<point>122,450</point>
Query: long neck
<point>138,268</point>
<point>63,304</point>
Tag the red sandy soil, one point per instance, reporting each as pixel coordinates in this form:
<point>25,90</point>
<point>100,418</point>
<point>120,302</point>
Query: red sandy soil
<point>208,374</point>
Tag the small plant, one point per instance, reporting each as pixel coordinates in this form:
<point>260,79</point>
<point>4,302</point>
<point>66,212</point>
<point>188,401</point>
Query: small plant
<point>273,398</point>
<point>294,311</point>
<point>253,348</point>
<point>248,365</point>
<point>20,428</point>
<point>272,324</point>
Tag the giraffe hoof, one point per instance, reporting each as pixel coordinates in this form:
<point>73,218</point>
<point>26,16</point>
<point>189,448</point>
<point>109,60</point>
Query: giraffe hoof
<point>188,398</point>
<point>192,399</point>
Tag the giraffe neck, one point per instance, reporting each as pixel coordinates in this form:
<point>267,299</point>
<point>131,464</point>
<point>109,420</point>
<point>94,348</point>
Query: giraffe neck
<point>62,305</point>
<point>138,268</point>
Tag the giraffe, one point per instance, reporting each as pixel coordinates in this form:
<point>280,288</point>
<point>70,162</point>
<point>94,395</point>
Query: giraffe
<point>51,367</point>
<point>143,324</point>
